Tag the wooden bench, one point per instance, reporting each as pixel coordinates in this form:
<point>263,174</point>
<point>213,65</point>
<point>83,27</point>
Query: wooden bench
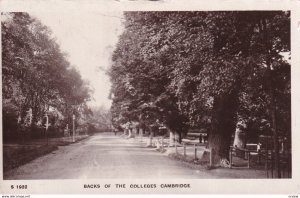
<point>199,136</point>
<point>244,153</point>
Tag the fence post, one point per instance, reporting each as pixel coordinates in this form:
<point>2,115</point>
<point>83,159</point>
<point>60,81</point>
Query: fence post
<point>184,150</point>
<point>230,158</point>
<point>73,136</point>
<point>195,153</point>
<point>210,157</point>
<point>248,159</point>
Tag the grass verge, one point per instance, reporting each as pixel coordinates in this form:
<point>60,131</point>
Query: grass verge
<point>15,155</point>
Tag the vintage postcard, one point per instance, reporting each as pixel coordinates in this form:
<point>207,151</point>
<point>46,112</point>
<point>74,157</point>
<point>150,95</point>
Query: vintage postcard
<point>150,97</point>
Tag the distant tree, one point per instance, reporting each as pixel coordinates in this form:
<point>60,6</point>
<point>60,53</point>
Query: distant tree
<point>100,119</point>
<point>36,74</point>
<point>143,76</point>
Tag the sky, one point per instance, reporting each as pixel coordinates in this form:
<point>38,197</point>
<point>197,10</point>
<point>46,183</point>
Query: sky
<point>89,39</point>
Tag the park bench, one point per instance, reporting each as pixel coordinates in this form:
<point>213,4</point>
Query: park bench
<point>160,142</point>
<point>244,153</point>
<point>198,137</point>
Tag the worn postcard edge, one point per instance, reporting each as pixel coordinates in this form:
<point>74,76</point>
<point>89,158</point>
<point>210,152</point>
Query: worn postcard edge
<point>198,186</point>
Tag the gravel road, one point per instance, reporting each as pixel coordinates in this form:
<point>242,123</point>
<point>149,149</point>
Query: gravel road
<point>107,156</point>
<point>102,156</point>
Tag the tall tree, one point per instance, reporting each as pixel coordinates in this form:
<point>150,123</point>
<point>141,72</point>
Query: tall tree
<point>197,68</point>
<point>36,74</point>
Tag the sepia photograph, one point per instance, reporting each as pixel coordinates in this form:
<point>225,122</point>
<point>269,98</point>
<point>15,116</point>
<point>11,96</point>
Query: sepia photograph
<point>147,95</point>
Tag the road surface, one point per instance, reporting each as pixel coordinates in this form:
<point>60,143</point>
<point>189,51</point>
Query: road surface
<point>105,156</point>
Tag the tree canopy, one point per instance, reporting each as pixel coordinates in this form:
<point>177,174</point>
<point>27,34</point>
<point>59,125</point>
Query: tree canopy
<point>205,70</point>
<point>36,73</point>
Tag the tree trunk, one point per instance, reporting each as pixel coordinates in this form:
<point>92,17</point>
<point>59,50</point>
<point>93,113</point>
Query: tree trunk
<point>272,107</point>
<point>179,137</point>
<point>223,126</point>
<point>137,131</point>
<point>275,136</point>
<point>171,138</point>
<point>149,142</point>
<point>239,138</point>
<point>130,134</point>
<point>141,132</point>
